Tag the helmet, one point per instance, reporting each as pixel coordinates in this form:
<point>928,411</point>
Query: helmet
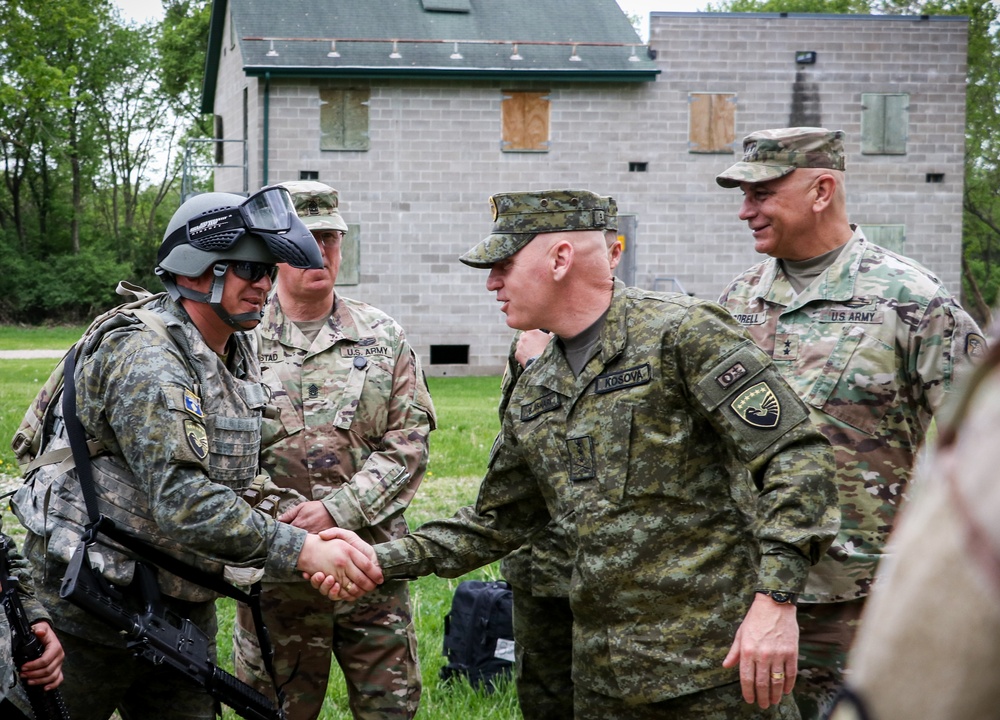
<point>213,229</point>
<point>216,226</point>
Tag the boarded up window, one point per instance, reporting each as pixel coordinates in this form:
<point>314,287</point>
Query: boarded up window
<point>343,119</point>
<point>885,119</point>
<point>525,121</point>
<point>891,237</point>
<point>350,257</point>
<point>711,122</point>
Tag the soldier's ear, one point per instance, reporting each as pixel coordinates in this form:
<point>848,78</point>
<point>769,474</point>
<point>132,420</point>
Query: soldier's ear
<point>560,258</point>
<point>825,186</point>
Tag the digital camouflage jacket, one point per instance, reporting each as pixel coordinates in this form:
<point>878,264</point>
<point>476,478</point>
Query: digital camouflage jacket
<point>637,448</point>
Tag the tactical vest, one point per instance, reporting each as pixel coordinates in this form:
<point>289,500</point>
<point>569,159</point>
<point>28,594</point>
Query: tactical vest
<point>50,503</point>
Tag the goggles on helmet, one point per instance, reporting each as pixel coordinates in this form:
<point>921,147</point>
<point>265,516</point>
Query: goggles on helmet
<point>268,213</point>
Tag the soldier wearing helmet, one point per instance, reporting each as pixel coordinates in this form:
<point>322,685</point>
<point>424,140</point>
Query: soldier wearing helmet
<point>168,390</point>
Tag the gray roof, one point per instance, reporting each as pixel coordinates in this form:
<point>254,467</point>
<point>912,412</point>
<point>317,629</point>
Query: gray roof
<point>471,38</point>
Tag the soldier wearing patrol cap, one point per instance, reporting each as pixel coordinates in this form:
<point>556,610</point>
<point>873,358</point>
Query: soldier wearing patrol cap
<point>351,446</point>
<point>869,339</point>
<point>539,572</point>
<point>625,427</point>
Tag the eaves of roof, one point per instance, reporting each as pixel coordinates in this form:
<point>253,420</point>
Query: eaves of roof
<point>512,40</point>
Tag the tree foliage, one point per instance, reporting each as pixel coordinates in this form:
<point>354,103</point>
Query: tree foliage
<point>92,111</point>
<point>981,201</point>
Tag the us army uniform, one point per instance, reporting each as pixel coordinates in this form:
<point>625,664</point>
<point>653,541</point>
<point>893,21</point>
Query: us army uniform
<point>11,691</point>
<point>871,345</point>
<point>667,561</point>
<point>177,423</point>
<point>355,415</point>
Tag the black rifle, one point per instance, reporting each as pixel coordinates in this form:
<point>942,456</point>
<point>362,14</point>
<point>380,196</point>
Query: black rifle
<point>158,635</point>
<point>25,645</point>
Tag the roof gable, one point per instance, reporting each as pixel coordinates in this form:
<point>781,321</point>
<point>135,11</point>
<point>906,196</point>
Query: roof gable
<point>583,40</point>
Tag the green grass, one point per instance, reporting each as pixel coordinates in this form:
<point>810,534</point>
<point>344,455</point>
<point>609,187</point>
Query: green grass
<point>54,337</point>
<point>459,449</point>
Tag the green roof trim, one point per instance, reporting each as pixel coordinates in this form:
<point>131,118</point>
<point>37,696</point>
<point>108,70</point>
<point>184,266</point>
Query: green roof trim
<point>585,41</point>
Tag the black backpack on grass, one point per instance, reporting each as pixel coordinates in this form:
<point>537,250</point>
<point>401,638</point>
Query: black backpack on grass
<point>479,633</point>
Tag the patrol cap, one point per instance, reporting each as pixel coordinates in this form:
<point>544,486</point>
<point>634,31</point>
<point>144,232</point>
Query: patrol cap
<point>612,209</point>
<point>519,216</point>
<point>771,154</point>
<point>316,204</point>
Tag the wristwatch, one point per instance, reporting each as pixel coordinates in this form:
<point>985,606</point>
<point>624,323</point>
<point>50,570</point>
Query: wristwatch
<point>781,597</point>
<point>527,363</point>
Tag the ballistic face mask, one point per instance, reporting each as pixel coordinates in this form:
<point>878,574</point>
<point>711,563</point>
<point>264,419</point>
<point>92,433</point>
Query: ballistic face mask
<point>215,230</point>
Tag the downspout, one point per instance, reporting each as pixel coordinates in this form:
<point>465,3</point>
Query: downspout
<point>267,121</point>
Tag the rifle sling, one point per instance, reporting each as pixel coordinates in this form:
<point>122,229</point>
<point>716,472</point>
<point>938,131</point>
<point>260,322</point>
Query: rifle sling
<point>102,524</point>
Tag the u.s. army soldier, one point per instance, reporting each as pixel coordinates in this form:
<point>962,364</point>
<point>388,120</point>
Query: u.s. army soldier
<point>627,425</point>
<point>867,338</point>
<point>351,441</point>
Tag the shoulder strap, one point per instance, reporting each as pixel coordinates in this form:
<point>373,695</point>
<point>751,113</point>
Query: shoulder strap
<point>102,524</point>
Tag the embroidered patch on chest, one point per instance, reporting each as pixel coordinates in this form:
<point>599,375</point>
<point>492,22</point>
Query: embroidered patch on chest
<point>197,438</point>
<point>544,404</point>
<point>750,318</point>
<point>786,346</point>
<point>758,406</point>
<point>581,458</point>
<point>863,316</point>
<point>366,351</point>
<point>621,379</point>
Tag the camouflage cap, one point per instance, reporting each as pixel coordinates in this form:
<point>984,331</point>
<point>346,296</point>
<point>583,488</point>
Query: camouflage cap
<point>612,209</point>
<point>316,204</point>
<point>519,216</point>
<point>771,154</point>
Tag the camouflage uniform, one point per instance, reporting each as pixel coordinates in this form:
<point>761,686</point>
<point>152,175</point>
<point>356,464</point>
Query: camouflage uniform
<point>353,431</point>
<point>871,346</point>
<point>539,573</point>
<point>181,432</point>
<point>11,689</point>
<point>666,560</point>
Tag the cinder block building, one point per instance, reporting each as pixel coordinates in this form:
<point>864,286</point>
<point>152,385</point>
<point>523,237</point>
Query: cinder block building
<point>418,110</point>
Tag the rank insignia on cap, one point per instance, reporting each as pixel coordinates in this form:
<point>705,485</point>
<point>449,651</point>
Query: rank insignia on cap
<point>758,406</point>
<point>197,438</point>
<point>192,403</point>
<point>493,209</point>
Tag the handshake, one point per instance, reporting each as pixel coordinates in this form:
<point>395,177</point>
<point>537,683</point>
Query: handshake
<point>339,564</point>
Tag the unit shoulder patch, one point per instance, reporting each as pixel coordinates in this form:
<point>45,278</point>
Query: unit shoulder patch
<point>758,406</point>
<point>197,438</point>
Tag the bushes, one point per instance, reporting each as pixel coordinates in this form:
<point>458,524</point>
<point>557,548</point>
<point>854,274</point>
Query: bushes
<point>65,288</point>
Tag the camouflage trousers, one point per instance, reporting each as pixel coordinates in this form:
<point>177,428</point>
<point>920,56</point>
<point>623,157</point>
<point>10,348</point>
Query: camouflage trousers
<point>373,641</point>
<point>719,703</point>
<point>98,679</point>
<point>826,633</point>
<point>543,637</point>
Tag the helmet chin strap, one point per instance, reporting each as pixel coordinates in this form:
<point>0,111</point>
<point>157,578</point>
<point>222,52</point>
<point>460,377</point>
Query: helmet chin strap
<point>212,298</point>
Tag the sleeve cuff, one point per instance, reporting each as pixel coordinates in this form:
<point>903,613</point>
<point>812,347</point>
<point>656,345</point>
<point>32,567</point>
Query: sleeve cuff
<point>783,572</point>
<point>283,555</point>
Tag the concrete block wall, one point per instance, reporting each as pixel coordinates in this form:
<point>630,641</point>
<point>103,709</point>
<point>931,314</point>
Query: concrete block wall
<point>420,193</point>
